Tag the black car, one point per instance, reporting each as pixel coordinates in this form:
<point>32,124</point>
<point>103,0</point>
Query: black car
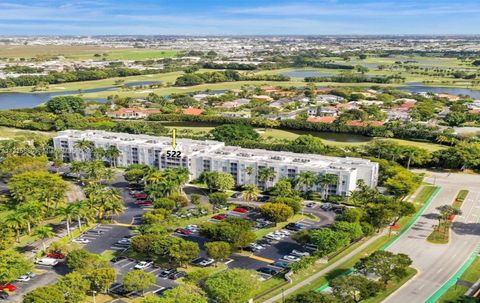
<point>294,227</point>
<point>250,249</point>
<point>4,295</point>
<point>267,270</point>
<point>166,273</point>
<point>177,275</point>
<point>263,198</point>
<point>117,259</point>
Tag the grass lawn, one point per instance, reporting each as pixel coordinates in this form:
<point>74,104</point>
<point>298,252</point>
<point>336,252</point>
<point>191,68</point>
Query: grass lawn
<point>472,274</point>
<point>462,194</point>
<point>14,133</point>
<point>141,54</point>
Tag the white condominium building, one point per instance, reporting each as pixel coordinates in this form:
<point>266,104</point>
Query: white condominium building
<point>199,156</point>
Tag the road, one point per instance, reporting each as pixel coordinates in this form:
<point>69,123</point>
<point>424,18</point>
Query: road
<point>437,263</point>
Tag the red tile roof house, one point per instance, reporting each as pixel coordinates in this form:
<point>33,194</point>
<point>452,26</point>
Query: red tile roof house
<point>191,111</point>
<point>326,119</point>
<point>133,113</point>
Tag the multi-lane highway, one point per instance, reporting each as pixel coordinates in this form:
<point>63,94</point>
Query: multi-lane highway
<point>438,263</point>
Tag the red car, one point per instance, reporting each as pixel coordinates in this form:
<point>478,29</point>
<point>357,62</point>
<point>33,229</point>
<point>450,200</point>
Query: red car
<point>183,231</point>
<point>241,210</point>
<point>9,287</point>
<point>145,203</point>
<point>140,196</point>
<point>220,217</point>
<point>55,255</point>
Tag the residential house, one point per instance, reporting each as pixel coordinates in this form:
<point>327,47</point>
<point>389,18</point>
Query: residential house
<point>133,113</point>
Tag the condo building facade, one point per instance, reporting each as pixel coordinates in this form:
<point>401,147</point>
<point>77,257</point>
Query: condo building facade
<point>207,155</point>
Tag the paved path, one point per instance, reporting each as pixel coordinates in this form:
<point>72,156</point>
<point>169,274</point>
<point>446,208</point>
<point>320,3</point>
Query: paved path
<point>437,263</point>
<point>323,271</point>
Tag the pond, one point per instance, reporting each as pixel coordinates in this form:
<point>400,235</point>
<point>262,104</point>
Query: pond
<point>418,87</point>
<point>306,73</point>
<point>27,100</point>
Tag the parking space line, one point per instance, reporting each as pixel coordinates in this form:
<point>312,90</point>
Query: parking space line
<point>128,264</point>
<point>154,270</point>
<point>261,259</point>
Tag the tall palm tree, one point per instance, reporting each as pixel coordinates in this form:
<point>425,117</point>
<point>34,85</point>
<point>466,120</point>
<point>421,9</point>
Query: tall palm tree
<point>249,170</point>
<point>265,175</point>
<point>306,179</point>
<point>112,153</point>
<point>155,177</point>
<point>17,222</point>
<point>105,200</point>
<point>44,233</point>
<point>85,146</point>
<point>83,212</point>
<point>32,212</point>
<point>68,212</point>
<point>250,192</point>
<point>325,181</point>
<point>98,153</point>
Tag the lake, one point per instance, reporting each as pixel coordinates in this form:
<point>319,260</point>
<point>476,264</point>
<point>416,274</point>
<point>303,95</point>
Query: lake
<point>306,73</point>
<point>27,100</point>
<point>418,87</point>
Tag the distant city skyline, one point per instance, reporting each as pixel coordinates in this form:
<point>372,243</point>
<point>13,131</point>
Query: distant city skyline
<point>216,17</point>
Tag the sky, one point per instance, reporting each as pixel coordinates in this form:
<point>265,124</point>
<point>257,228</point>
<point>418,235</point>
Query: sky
<point>247,17</point>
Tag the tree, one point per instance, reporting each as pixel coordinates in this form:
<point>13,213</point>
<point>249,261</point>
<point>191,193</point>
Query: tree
<point>250,192</point>
<point>16,222</point>
<point>325,181</point>
<point>354,229</point>
<point>184,293</point>
<point>306,179</point>
<point>307,144</point>
<point>138,280</point>
<point>85,146</point>
<point>44,233</point>
<point>12,266</point>
<point>328,240</point>
<point>283,188</point>
<point>45,294</point>
<point>183,251</point>
<point>102,278</point>
<point>83,261</point>
<point>312,297</point>
<point>218,181</point>
<point>354,288</point>
<point>231,133</point>
<point>276,212</point>
<point>218,198</point>
<point>65,104</point>
<point>31,212</point>
<point>218,250</point>
<point>105,200</point>
<point>165,203</point>
<point>112,153</point>
<point>74,287</point>
<point>385,264</point>
<point>266,175</point>
<point>294,203</point>
<point>14,165</point>
<point>231,286</point>
<point>68,212</point>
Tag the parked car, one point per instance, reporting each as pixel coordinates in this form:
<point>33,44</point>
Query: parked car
<point>263,198</point>
<point>55,255</point>
<point>280,264</point>
<point>242,210</point>
<point>327,206</point>
<point>220,217</point>
<point>123,241</point>
<point>291,258</point>
<point>145,203</point>
<point>118,259</point>
<point>311,204</point>
<point>81,240</point>
<point>267,270</point>
<point>47,261</point>
<point>140,196</point>
<point>167,272</point>
<point>177,275</point>
<point>183,231</point>
<point>300,253</point>
<point>26,277</point>
<point>203,262</point>
<point>8,286</point>
<point>264,242</point>
<point>294,226</point>
<point>143,265</point>
<point>274,236</point>
<point>193,228</point>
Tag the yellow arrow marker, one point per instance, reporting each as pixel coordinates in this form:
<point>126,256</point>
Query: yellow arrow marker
<point>174,138</point>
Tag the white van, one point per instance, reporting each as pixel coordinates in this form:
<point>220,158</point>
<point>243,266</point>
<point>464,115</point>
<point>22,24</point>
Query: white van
<point>47,261</point>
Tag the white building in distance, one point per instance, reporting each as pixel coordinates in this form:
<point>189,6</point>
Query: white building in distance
<point>199,156</point>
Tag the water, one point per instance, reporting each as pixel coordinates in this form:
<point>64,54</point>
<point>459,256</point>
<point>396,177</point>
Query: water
<point>27,100</point>
<point>418,87</point>
<point>306,73</point>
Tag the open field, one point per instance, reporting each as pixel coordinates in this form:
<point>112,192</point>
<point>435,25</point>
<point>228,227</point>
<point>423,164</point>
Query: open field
<point>14,133</point>
<point>30,51</point>
<point>128,54</point>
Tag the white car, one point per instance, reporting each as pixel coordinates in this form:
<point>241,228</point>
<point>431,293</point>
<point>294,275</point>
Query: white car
<point>123,241</point>
<point>206,262</point>
<point>192,228</point>
<point>26,277</point>
<point>81,241</point>
<point>300,253</point>
<point>256,246</point>
<point>279,233</point>
<point>284,231</point>
<point>291,258</point>
<point>142,265</point>
<point>273,236</point>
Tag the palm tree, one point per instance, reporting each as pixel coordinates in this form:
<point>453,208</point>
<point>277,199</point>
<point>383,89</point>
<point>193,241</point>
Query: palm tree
<point>98,153</point>
<point>155,177</point>
<point>265,175</point>
<point>68,212</point>
<point>250,192</point>
<point>31,212</point>
<point>112,153</point>
<point>44,233</point>
<point>83,212</point>
<point>105,200</point>
<point>249,170</point>
<point>85,146</point>
<point>306,179</point>
<point>325,181</point>
<point>17,222</point>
